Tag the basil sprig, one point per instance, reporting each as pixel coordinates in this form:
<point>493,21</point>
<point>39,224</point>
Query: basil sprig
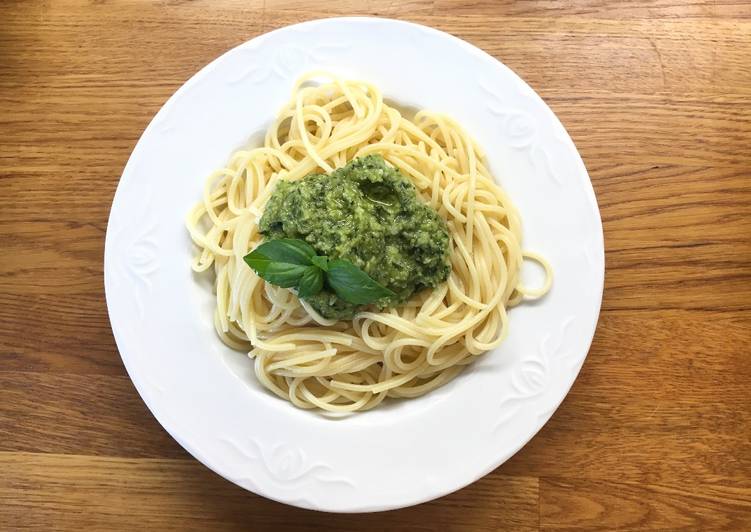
<point>292,263</point>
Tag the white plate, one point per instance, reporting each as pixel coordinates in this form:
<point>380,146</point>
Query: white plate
<point>404,452</point>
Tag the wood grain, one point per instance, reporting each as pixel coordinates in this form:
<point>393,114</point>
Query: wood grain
<point>596,505</point>
<point>656,432</point>
<point>104,493</point>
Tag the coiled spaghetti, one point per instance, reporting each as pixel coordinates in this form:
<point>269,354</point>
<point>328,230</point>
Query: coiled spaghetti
<point>401,352</point>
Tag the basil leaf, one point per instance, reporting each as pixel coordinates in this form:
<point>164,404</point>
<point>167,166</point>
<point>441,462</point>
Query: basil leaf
<point>311,282</point>
<point>289,250</point>
<point>354,285</point>
<point>283,274</point>
<point>257,261</point>
<point>321,261</point>
<point>292,263</point>
<point>283,250</point>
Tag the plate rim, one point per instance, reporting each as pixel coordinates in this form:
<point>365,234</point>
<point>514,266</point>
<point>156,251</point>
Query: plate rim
<point>110,295</point>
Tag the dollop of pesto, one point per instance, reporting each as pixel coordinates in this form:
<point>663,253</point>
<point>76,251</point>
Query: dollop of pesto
<point>369,214</point>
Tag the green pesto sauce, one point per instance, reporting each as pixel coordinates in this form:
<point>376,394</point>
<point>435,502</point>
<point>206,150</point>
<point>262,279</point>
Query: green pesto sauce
<point>369,214</point>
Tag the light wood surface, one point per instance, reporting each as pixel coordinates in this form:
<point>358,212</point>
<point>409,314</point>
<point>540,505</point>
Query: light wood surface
<point>656,432</point>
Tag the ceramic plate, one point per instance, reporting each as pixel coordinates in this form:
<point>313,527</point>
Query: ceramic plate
<point>405,451</point>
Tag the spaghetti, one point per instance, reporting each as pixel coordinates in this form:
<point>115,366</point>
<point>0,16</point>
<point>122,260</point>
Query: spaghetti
<point>407,351</point>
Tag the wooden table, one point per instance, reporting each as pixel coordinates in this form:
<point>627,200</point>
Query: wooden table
<point>655,432</point>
